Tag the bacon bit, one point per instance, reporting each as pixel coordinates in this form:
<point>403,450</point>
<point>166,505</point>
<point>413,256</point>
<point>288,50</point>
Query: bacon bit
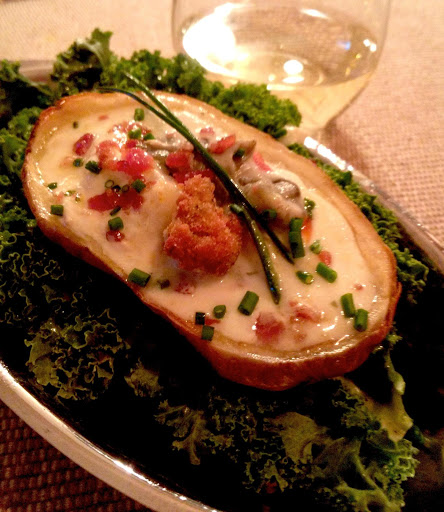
<point>359,286</point>
<point>208,130</point>
<point>180,160</point>
<point>202,236</point>
<point>185,166</point>
<point>302,312</point>
<point>112,198</point>
<point>131,143</point>
<point>268,328</point>
<point>103,117</point>
<point>83,144</point>
<point>114,235</point>
<point>220,146</point>
<point>271,487</point>
<point>136,161</point>
<point>108,153</point>
<point>307,229</point>
<point>260,162</point>
<point>186,285</point>
<point>325,257</point>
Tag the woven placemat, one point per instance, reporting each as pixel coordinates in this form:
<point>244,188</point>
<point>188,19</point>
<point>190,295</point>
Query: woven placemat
<point>36,477</point>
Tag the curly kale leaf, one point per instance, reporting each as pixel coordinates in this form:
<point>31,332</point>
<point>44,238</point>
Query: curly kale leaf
<point>80,66</point>
<point>252,104</point>
<point>77,360</point>
<point>13,141</point>
<point>316,444</point>
<point>18,92</point>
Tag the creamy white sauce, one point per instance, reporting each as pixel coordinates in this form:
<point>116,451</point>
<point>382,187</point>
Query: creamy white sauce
<point>144,237</point>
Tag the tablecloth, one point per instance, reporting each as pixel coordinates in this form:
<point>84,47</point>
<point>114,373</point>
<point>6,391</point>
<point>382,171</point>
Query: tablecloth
<point>394,133</point>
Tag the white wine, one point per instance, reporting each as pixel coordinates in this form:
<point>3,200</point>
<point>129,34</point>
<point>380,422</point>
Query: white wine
<point>320,60</point>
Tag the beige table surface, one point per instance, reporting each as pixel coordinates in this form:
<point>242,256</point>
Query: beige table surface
<point>394,133</point>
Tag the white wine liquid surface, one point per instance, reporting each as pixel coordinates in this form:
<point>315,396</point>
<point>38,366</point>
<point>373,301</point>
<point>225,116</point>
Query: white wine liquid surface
<point>319,60</point>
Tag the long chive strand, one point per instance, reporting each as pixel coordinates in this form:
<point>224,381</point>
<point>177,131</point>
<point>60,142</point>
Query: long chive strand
<point>166,115</point>
<point>262,249</point>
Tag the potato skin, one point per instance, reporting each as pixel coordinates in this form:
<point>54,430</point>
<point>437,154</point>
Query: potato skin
<point>256,366</point>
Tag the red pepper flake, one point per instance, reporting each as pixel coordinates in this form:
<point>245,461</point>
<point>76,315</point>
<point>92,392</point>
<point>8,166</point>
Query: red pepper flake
<point>83,144</point>
<point>114,235</point>
<point>326,257</point>
<point>211,321</point>
<point>207,130</point>
<point>220,146</point>
<point>260,162</point>
<point>307,229</point>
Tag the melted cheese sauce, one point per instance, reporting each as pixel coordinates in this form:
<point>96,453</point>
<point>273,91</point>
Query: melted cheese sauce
<point>144,237</point>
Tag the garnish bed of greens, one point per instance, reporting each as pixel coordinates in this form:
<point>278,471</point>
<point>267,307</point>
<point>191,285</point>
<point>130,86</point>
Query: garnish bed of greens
<point>85,345</point>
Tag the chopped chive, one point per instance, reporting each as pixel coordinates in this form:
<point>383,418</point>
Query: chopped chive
<point>148,136</point>
<point>248,303</point>
<point>115,210</point>
<point>57,209</point>
<point>348,306</point>
<point>115,223</point>
<point>78,162</point>
<point>199,318</point>
<point>269,214</point>
<point>316,247</point>
<point>295,238</point>
<point>93,166</point>
<point>125,188</point>
<point>69,193</point>
<point>135,133</point>
<point>139,114</point>
<point>361,320</point>
<point>326,272</point>
<point>309,204</point>
<point>75,124</point>
<point>163,283</point>
<point>305,277</point>
<point>207,332</point>
<point>109,183</point>
<point>295,224</point>
<point>219,311</point>
<point>139,277</point>
<point>239,153</point>
<point>52,185</point>
<point>138,185</point>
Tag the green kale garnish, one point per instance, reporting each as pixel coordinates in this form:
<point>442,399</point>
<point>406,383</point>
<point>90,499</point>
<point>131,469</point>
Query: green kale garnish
<point>18,92</point>
<point>80,66</point>
<point>316,444</point>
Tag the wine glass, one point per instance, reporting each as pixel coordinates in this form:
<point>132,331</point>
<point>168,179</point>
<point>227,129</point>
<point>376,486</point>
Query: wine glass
<point>319,53</point>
